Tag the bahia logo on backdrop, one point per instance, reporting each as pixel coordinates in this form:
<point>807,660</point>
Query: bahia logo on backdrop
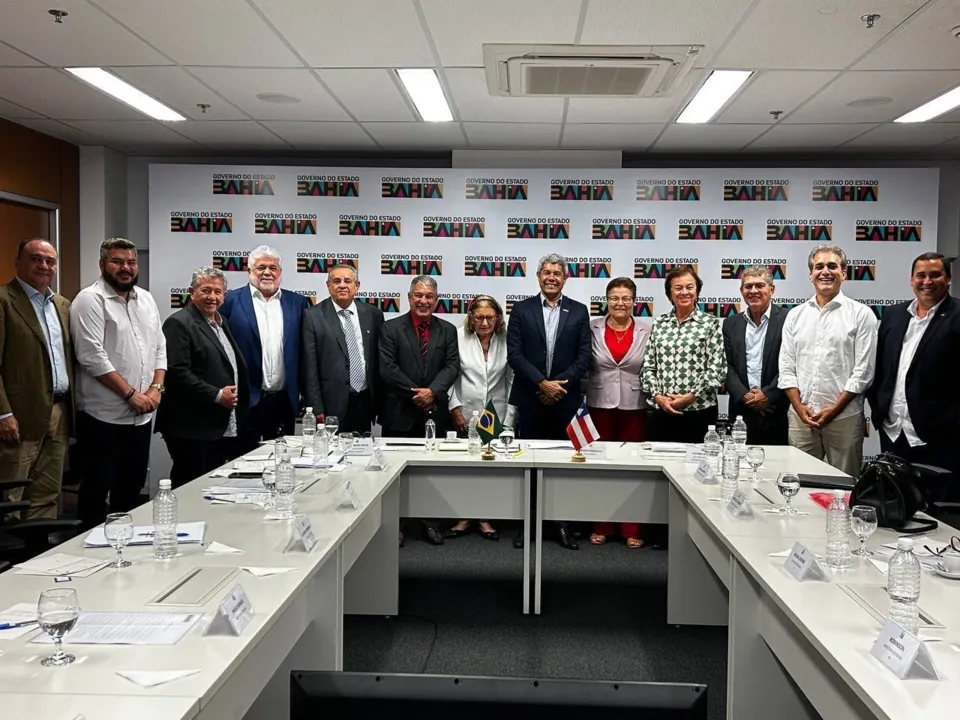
<point>230,260</point>
<point>642,307</point>
<point>879,306</point>
<point>733,268</point>
<point>242,184</point>
<point>845,191</point>
<point>668,190</point>
<point>645,268</point>
<point>411,265</point>
<point>710,229</point>
<point>310,295</point>
<point>370,225</point>
<point>494,266</point>
<point>285,224</point>
<point>412,188</point>
<point>384,301</point>
<point>179,297</point>
<point>756,190</point>
<point>788,303</point>
<point>321,263</point>
<point>889,230</point>
<point>624,229</point>
<point>454,227</point>
<point>589,267</point>
<point>799,229</point>
<point>339,186</point>
<point>579,189</point>
<point>453,304</point>
<point>478,188</point>
<point>521,228</point>
<point>865,270</point>
<point>510,300</point>
<point>720,307</point>
<point>190,221</point>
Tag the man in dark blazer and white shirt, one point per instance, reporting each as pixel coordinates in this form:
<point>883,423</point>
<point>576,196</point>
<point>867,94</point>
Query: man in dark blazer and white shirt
<point>751,340</point>
<point>341,354</point>
<point>914,397</point>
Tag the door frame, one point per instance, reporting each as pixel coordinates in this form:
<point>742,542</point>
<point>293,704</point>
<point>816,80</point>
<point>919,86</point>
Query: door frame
<point>53,210</point>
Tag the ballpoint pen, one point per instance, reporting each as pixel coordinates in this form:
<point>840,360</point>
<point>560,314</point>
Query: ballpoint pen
<point>13,625</point>
<point>151,534</point>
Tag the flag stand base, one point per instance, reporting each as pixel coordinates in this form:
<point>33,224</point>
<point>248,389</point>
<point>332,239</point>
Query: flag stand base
<point>488,453</point>
<point>578,457</point>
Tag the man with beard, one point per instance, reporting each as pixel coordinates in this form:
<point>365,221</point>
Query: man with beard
<point>122,360</point>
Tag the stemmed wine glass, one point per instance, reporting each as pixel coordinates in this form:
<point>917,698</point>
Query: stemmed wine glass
<point>755,458</point>
<point>789,485</point>
<point>332,423</point>
<point>506,438</point>
<point>347,440</point>
<point>118,529</point>
<point>863,520</point>
<point>57,613</point>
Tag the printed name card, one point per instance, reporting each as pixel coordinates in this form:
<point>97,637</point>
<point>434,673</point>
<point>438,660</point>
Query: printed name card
<point>802,564</point>
<point>739,506</point>
<point>233,615</point>
<point>349,499</point>
<point>705,473</point>
<point>377,460</point>
<point>695,454</point>
<point>302,534</point>
<point>903,653</point>
<point>362,446</point>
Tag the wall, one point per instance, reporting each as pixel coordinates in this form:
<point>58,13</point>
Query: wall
<point>18,222</point>
<point>103,197</point>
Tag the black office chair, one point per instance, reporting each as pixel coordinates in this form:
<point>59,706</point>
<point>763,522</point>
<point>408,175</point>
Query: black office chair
<point>22,540</point>
<point>937,485</point>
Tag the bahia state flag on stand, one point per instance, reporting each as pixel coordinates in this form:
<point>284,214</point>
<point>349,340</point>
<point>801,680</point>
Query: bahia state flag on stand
<point>581,429</point>
<point>489,426</point>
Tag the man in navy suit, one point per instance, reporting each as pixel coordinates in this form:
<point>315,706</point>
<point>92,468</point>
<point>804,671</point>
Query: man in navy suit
<point>266,325</point>
<point>549,349</point>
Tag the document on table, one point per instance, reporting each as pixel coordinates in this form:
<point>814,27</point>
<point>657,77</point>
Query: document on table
<point>252,465</point>
<point>398,442</point>
<point>308,462</point>
<point>235,485</point>
<point>58,564</point>
<point>21,612</point>
<point>549,445</point>
<point>671,448</point>
<point>187,533</point>
<point>119,628</point>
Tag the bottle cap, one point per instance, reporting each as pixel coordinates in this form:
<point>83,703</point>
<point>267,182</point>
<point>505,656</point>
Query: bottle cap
<point>905,543</point>
<point>711,427</point>
<point>309,410</point>
<point>166,484</point>
<point>838,494</point>
<point>739,417</point>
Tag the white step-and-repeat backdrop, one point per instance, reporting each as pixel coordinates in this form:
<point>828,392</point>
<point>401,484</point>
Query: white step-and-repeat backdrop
<point>483,231</point>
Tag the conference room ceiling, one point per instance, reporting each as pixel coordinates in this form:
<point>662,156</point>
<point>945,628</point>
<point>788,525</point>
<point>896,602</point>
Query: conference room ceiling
<point>813,58</point>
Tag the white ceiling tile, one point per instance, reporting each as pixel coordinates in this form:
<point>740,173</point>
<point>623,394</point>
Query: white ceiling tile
<point>706,138</point>
<point>368,94</point>
<point>242,85</point>
<point>474,101</point>
<point>808,137</point>
<point>605,136</point>
<point>60,96</point>
<point>14,112</point>
<point>85,37</point>
<point>905,136</point>
<point>632,110</point>
<point>9,57</point>
<point>788,34</point>
<point>907,89</point>
<point>662,22</point>
<point>461,27</point>
<point>211,32</point>
<point>417,135</point>
<point>139,134</point>
<point>57,129</point>
<point>924,42</point>
<point>181,91</point>
<point>512,135</point>
<point>230,134</point>
<point>351,33</point>
<point>773,90</point>
<point>322,135</point>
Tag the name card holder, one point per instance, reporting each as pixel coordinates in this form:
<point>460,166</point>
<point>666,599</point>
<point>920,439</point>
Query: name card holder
<point>695,453</point>
<point>233,614</point>
<point>302,534</point>
<point>362,446</point>
<point>705,474</point>
<point>349,499</point>
<point>802,564</point>
<point>739,506</point>
<point>904,654</point>
<point>377,460</point>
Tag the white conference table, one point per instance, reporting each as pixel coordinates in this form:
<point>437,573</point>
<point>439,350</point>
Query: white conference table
<point>93,707</point>
<point>793,646</point>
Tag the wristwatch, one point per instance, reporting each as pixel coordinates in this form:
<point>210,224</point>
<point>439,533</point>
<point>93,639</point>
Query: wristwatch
<point>159,388</point>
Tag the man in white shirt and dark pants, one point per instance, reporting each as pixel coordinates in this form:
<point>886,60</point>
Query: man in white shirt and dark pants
<point>827,362</point>
<point>122,360</point>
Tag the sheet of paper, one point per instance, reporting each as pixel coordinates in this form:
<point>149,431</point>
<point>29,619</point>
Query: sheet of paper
<point>218,496</point>
<point>21,612</point>
<point>267,571</point>
<point>549,445</point>
<point>665,447</point>
<point>252,465</point>
<point>309,462</point>
<point>150,678</point>
<point>118,628</point>
<point>399,442</point>
<point>61,564</point>
<point>187,533</point>
<point>235,485</point>
<point>216,548</point>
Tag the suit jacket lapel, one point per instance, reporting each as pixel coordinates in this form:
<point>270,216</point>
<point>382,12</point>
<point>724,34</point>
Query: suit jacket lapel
<point>773,327</point>
<point>205,328</point>
<point>411,334</point>
<point>432,342</point>
<point>938,322</point>
<point>330,310</point>
<point>246,304</point>
<point>538,318</point>
<point>599,337</point>
<point>366,328</point>
<point>564,311</point>
<point>25,308</point>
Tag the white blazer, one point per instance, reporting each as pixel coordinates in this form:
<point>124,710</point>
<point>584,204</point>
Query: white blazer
<point>480,380</point>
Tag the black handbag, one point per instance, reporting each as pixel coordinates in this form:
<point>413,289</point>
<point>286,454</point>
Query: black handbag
<point>892,486</point>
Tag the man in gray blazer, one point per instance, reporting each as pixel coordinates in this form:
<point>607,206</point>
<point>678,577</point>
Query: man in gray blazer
<point>752,343</point>
<point>341,354</point>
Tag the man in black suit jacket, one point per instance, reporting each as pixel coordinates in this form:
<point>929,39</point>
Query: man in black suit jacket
<point>914,397</point>
<point>207,392</point>
<point>419,362</point>
<point>751,340</point>
<point>341,374</point>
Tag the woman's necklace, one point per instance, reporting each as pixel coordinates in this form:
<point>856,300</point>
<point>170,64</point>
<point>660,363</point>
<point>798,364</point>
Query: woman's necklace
<point>618,334</point>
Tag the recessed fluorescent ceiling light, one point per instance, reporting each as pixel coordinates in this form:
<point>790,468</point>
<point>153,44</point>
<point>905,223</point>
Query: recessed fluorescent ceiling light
<point>713,95</point>
<point>424,89</point>
<point>124,92</point>
<point>936,107</point>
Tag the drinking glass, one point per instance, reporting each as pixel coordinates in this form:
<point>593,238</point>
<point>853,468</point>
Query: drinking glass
<point>507,437</point>
<point>332,423</point>
<point>863,521</point>
<point>789,485</point>
<point>755,458</point>
<point>118,529</point>
<point>347,440</point>
<point>269,480</point>
<point>57,613</point>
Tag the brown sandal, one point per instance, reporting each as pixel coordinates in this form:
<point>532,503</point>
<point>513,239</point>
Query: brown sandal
<point>598,539</point>
<point>634,543</point>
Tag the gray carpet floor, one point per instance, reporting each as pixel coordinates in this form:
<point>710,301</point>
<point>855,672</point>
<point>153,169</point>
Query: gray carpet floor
<point>604,618</point>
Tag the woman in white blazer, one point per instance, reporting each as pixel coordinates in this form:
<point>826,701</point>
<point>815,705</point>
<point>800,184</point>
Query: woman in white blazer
<point>484,376</point>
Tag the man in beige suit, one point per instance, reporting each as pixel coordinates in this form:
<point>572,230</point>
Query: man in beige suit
<point>36,377</point>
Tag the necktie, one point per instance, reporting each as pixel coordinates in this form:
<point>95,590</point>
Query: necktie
<point>422,337</point>
<point>354,352</point>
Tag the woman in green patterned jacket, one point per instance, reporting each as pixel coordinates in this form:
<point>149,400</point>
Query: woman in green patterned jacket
<point>684,364</point>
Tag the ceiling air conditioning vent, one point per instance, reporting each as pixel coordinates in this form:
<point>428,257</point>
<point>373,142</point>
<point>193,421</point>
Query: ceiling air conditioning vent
<point>587,71</point>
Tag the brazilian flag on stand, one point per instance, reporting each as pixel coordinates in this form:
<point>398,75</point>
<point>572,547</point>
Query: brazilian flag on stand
<point>489,426</point>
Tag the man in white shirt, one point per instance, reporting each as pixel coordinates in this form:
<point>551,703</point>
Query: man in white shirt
<point>122,360</point>
<point>827,362</point>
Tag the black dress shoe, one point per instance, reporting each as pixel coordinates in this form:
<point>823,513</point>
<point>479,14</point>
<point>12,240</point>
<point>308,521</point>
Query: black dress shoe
<point>454,533</point>
<point>494,535</point>
<point>518,541</point>
<point>566,539</point>
<point>433,535</point>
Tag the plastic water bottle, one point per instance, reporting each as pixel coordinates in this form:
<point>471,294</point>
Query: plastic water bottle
<point>321,450</point>
<point>731,470</point>
<point>309,431</point>
<point>285,485</point>
<point>165,522</point>
<point>838,533</point>
<point>473,435</point>
<point>430,436</point>
<point>740,436</point>
<point>711,448</point>
<point>903,586</point>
